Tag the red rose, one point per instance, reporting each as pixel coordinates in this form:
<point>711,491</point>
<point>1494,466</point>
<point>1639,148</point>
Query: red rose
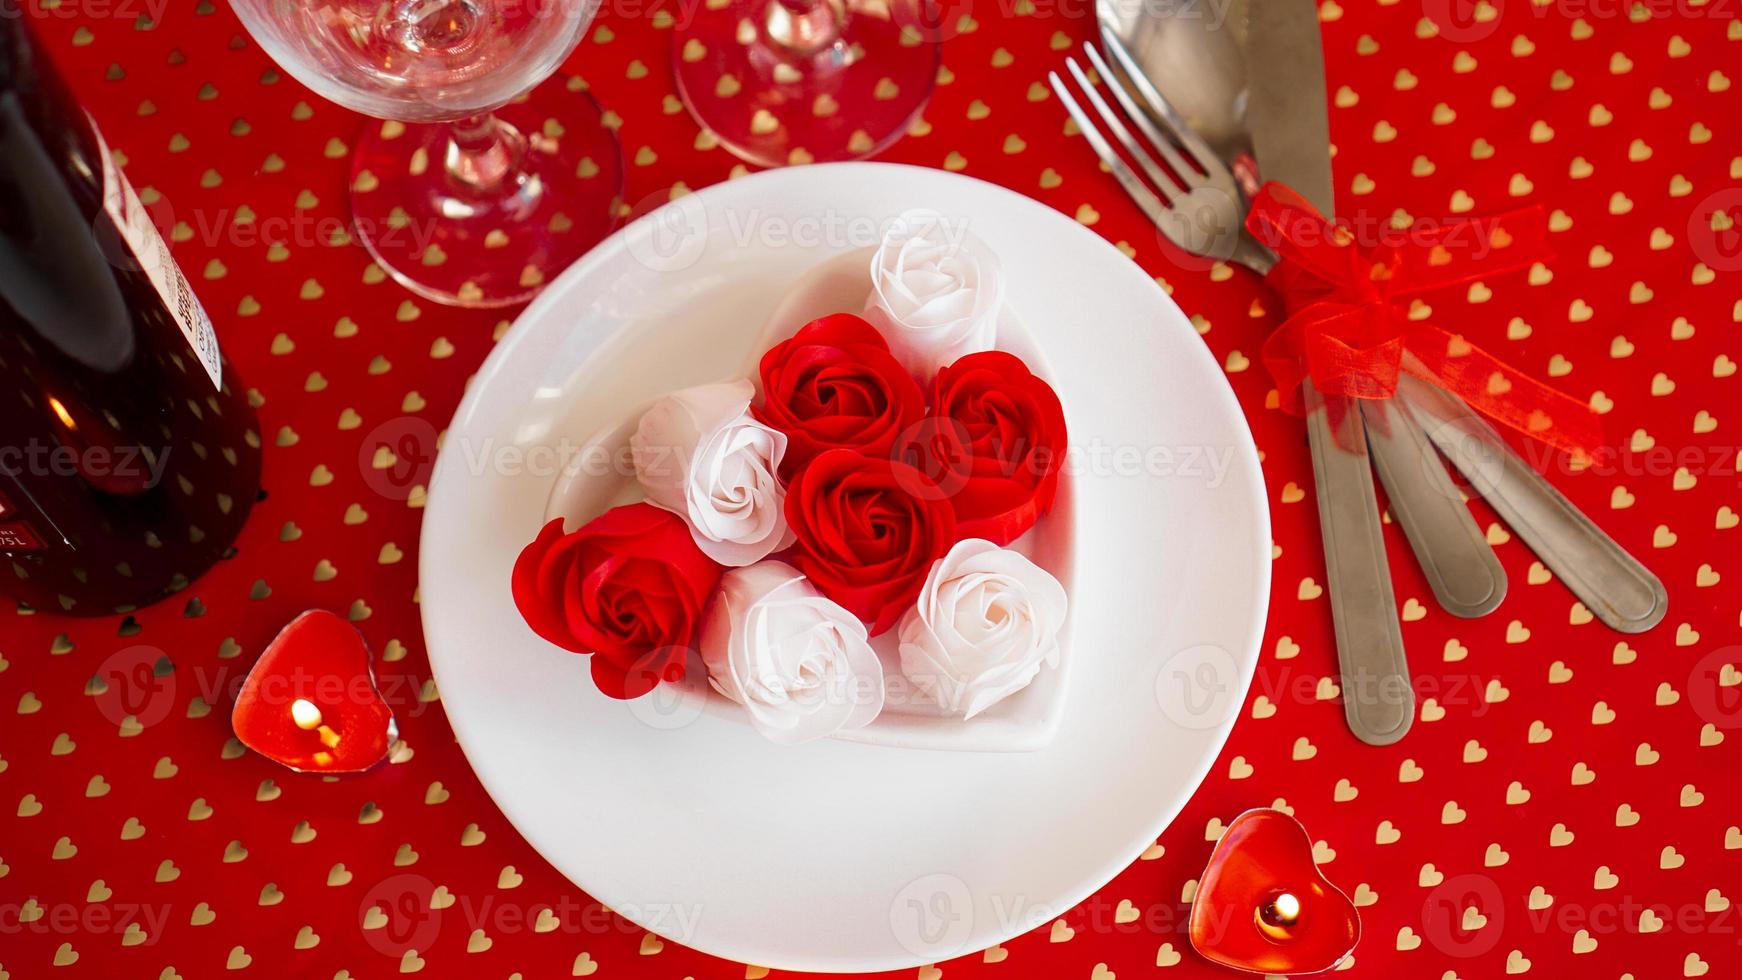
<point>866,539</point>
<point>627,587</point>
<point>994,444</point>
<point>835,385</point>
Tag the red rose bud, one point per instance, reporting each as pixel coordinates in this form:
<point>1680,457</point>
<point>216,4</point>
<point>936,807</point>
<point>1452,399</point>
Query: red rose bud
<point>868,531</point>
<point>995,443</point>
<point>628,587</point>
<point>835,385</point>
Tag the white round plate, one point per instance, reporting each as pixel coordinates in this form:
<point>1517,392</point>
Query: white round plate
<point>835,856</point>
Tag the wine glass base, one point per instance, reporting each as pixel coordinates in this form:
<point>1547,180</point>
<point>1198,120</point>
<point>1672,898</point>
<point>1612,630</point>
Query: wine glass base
<point>494,242</point>
<point>773,106</point>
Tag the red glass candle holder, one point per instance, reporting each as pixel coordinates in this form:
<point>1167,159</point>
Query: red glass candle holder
<point>311,703</point>
<point>1263,906</point>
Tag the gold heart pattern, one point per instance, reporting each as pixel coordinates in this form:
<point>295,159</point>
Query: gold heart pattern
<point>1562,807</point>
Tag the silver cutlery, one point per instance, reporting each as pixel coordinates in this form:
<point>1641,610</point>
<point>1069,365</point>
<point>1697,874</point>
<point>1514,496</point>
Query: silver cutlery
<point>1193,50</point>
<point>1611,583</point>
<point>1452,550</point>
<point>1204,214</point>
<point>1462,571</point>
<point>1285,110</point>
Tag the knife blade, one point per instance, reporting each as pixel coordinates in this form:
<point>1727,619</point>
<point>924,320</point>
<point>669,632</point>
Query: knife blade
<point>1287,113</point>
<point>1286,107</point>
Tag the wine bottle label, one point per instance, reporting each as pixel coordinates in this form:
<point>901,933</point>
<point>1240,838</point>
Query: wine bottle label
<point>152,253</point>
<point>18,537</point>
<point>15,535</point>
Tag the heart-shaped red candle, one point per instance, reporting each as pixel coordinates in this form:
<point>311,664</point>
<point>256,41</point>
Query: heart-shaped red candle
<point>311,702</point>
<point>1262,904</point>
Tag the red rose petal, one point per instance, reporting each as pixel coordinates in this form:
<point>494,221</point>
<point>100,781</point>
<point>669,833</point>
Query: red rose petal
<point>834,385</point>
<point>1001,458</point>
<point>627,587</point>
<point>625,682</point>
<point>863,539</point>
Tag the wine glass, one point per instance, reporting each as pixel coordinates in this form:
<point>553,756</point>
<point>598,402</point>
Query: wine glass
<point>481,184</point>
<point>795,81</point>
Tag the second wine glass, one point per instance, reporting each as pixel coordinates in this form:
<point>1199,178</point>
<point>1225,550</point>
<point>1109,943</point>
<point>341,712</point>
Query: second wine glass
<point>481,183</point>
<point>798,81</point>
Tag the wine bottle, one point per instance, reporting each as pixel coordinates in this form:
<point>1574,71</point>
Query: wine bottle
<point>128,452</point>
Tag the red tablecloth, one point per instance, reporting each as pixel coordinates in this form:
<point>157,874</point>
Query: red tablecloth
<point>1566,805</point>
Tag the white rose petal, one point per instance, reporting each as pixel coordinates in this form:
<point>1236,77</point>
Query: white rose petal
<point>699,454</point>
<point>935,292</point>
<point>986,621</point>
<point>800,664</point>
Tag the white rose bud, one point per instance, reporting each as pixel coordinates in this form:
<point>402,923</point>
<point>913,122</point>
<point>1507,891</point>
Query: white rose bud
<point>800,664</point>
<point>699,454</point>
<point>986,621</point>
<point>935,292</point>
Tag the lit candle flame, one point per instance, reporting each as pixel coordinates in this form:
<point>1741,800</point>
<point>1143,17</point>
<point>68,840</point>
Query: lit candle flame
<point>1287,908</point>
<point>308,718</point>
<point>1277,918</point>
<point>305,714</point>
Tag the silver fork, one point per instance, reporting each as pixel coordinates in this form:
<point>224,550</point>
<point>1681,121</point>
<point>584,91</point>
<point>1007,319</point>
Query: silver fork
<point>1204,210</point>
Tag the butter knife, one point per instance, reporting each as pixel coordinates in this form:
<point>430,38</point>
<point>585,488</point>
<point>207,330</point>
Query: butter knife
<point>1288,116</point>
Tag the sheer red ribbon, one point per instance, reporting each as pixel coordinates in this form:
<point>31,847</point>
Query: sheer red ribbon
<point>1350,326</point>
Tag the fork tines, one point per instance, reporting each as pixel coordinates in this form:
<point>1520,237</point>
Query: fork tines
<point>1172,145</point>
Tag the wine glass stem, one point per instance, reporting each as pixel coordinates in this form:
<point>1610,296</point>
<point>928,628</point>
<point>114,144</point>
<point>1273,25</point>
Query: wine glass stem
<point>484,153</point>
<point>805,26</point>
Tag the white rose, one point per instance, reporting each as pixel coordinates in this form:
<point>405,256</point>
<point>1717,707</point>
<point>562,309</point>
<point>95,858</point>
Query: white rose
<point>799,663</point>
<point>984,623</point>
<point>699,454</point>
<point>935,292</point>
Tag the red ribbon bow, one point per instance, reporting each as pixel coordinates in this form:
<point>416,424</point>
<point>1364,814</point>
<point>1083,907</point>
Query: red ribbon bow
<point>1350,326</point>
